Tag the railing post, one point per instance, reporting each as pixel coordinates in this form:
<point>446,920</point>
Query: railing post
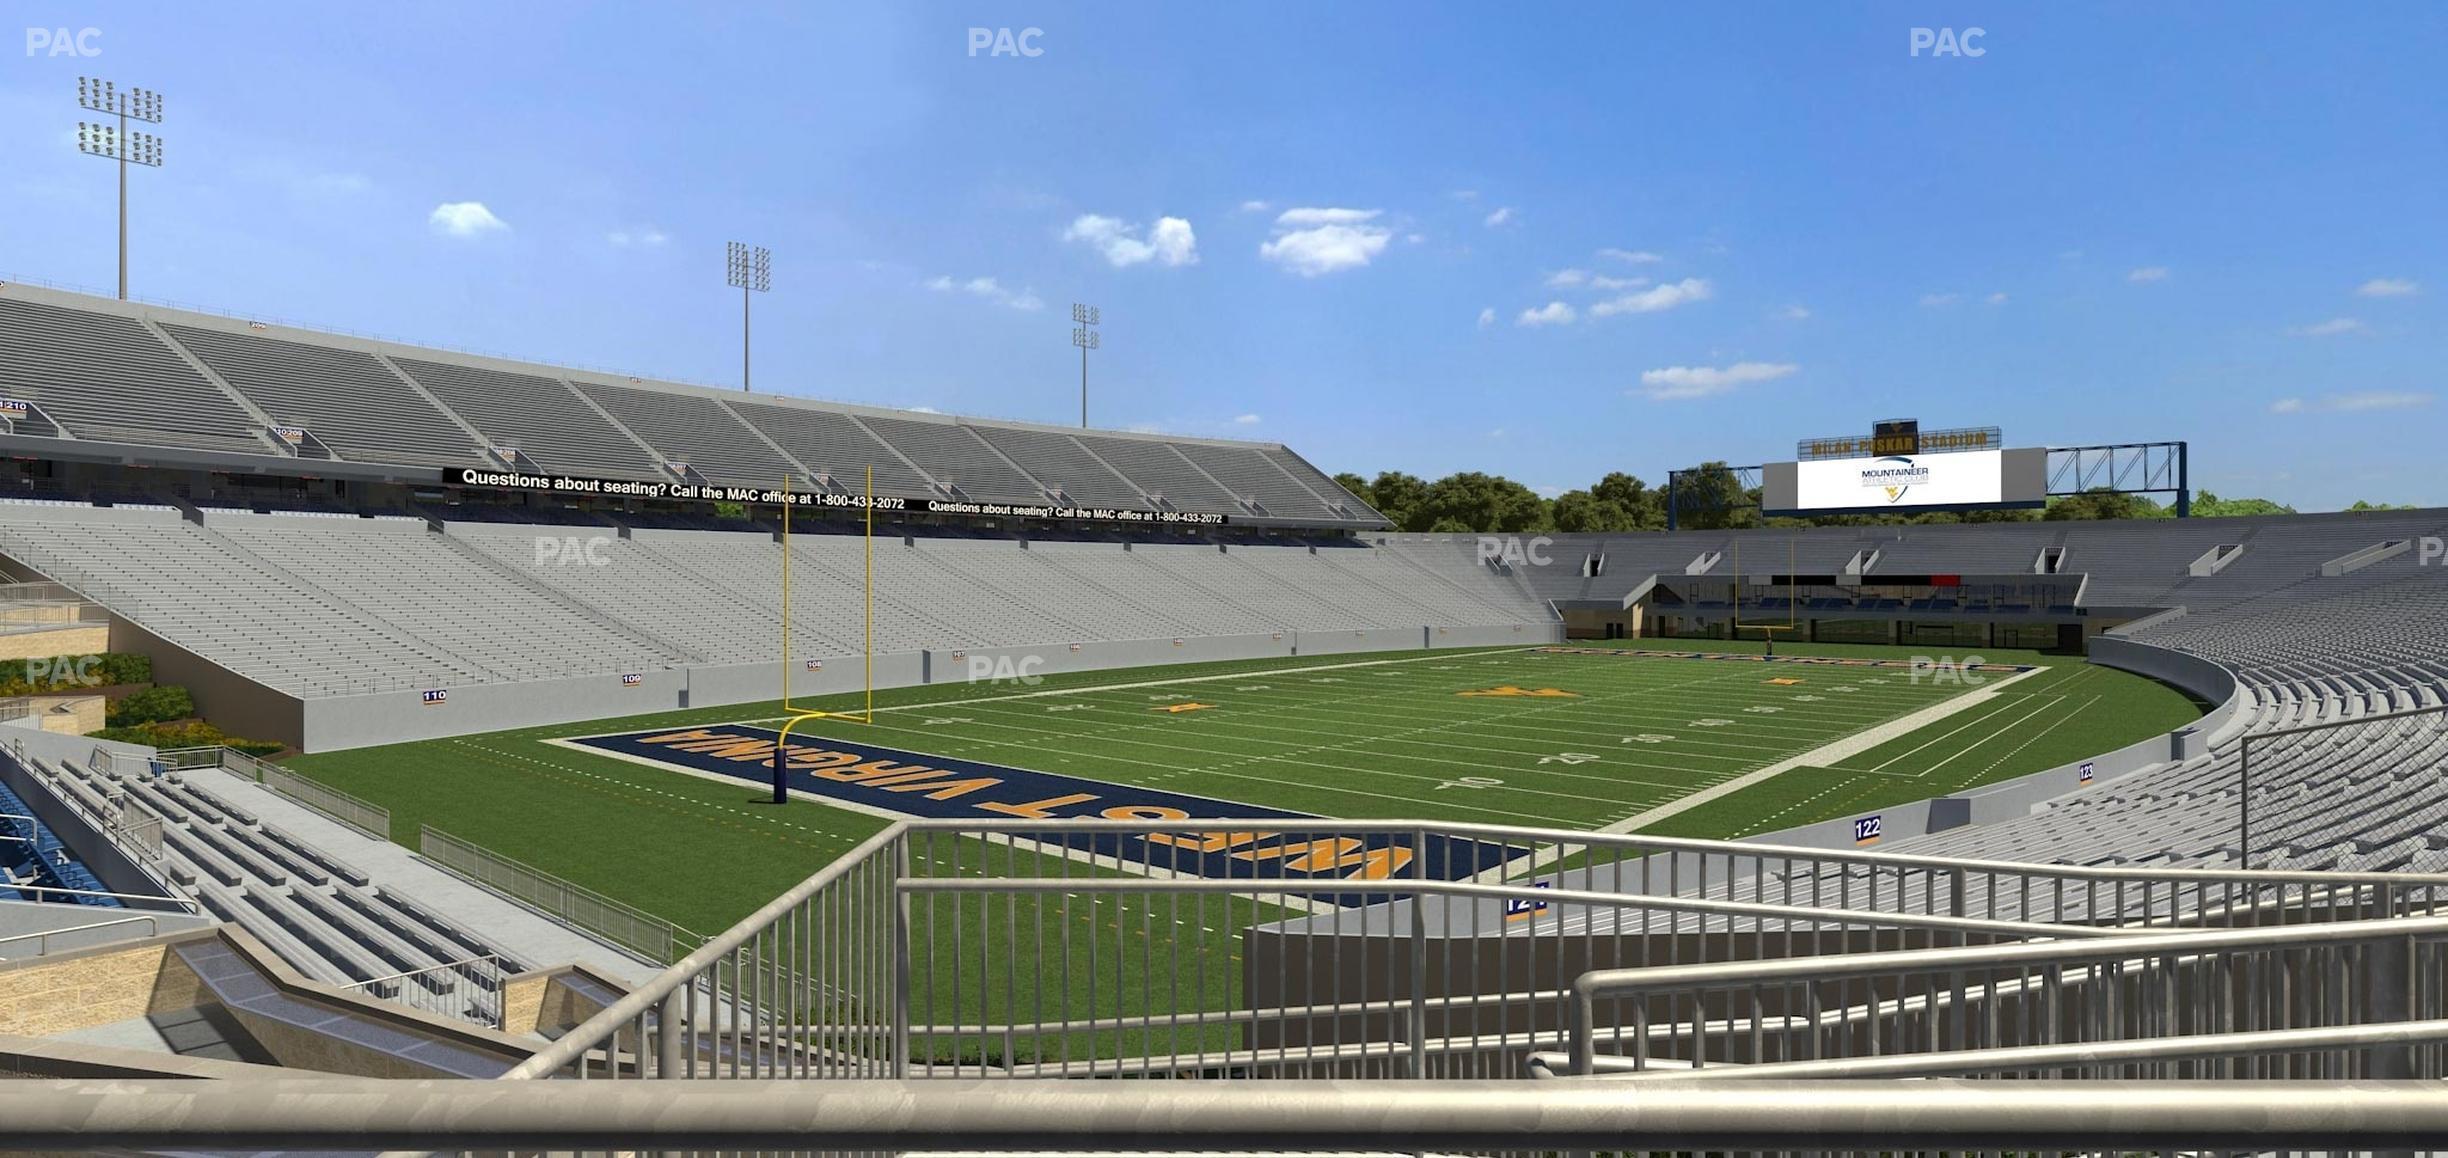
<point>668,1030</point>
<point>901,959</point>
<point>1417,1028</point>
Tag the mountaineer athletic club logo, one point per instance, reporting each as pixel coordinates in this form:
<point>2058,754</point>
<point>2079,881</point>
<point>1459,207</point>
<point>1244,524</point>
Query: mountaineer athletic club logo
<point>1894,474</point>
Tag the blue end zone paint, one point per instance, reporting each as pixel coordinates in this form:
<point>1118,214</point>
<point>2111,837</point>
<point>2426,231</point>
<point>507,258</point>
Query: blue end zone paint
<point>943,788</point>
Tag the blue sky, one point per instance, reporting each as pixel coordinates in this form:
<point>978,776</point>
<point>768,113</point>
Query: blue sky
<point>1548,242</point>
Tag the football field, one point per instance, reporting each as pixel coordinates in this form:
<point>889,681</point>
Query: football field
<point>669,813</point>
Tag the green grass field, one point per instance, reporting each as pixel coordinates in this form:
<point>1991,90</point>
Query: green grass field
<point>1388,735</point>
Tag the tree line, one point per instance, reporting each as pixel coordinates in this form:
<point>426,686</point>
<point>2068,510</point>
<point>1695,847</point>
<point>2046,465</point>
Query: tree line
<point>1472,502</point>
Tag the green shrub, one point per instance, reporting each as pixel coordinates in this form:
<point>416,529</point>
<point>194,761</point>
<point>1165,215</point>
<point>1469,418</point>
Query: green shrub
<point>186,734</point>
<point>152,705</point>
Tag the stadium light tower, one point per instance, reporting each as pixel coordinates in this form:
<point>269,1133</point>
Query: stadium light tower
<point>118,143</point>
<point>1083,318</point>
<point>751,269</point>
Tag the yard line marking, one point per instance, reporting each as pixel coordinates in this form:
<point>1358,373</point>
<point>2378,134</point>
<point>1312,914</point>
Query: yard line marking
<point>1842,749</point>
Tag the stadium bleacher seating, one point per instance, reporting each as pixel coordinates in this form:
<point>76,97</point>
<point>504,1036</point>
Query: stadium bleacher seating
<point>172,379</point>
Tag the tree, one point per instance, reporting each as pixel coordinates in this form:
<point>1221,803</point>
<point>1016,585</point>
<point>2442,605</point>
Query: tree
<point>2210,506</point>
<point>1397,496</point>
<point>1489,504</point>
<point>1583,512</point>
<point>1647,506</point>
<point>1358,487</point>
<point>2361,505</point>
<point>2103,503</point>
<point>1710,497</point>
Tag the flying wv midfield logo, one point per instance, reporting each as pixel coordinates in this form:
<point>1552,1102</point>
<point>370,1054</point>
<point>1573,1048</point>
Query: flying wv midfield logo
<point>895,782</point>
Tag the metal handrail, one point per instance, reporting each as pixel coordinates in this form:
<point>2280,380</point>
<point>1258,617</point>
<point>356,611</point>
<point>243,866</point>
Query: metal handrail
<point>1503,1116</point>
<point>43,936</point>
<point>1952,1063</point>
<point>1437,888</point>
<point>1739,849</point>
<point>1589,987</point>
<point>683,973</point>
<point>445,967</point>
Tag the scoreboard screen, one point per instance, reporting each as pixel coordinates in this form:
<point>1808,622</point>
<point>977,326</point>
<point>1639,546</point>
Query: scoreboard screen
<point>1959,480</point>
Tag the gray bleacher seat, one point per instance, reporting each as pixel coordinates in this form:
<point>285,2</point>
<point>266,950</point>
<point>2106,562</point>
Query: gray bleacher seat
<point>1156,468</point>
<point>107,377</point>
<point>955,456</point>
<point>540,416</point>
<point>834,444</point>
<point>1058,460</point>
<point>346,398</point>
<point>696,430</point>
<point>1254,476</point>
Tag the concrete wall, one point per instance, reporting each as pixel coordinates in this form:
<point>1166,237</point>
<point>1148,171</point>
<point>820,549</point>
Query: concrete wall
<point>338,722</point>
<point>237,705</point>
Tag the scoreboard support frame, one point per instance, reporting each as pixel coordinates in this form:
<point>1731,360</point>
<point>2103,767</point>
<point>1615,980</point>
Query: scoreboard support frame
<point>2140,468</point>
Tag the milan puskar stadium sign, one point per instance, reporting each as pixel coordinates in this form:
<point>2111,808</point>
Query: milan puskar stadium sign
<point>560,484</point>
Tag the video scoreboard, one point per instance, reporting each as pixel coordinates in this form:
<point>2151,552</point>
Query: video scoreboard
<point>1900,467</point>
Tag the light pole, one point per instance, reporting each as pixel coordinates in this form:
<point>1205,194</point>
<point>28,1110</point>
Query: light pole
<point>1082,336</point>
<point>751,271</point>
<point>117,143</point>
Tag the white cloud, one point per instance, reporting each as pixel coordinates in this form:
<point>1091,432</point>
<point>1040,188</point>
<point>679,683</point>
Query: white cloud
<point>1570,278</point>
<point>1548,491</point>
<point>1679,382</point>
<point>1313,242</point>
<point>1487,317</point>
<point>1934,301</point>
<point>1466,195</point>
<point>2148,273</point>
<point>1551,314</point>
<point>1170,242</point>
<point>465,219</point>
<point>2354,402</point>
<point>1996,299</point>
<point>988,289</point>
<point>1245,420</point>
<point>1500,217</point>
<point>1255,207</point>
<point>1649,301</point>
<point>645,235</point>
<point>1305,217</point>
<point>924,410</point>
<point>2389,287</point>
<point>1795,313</point>
<point>2331,328</point>
<point>1635,256</point>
